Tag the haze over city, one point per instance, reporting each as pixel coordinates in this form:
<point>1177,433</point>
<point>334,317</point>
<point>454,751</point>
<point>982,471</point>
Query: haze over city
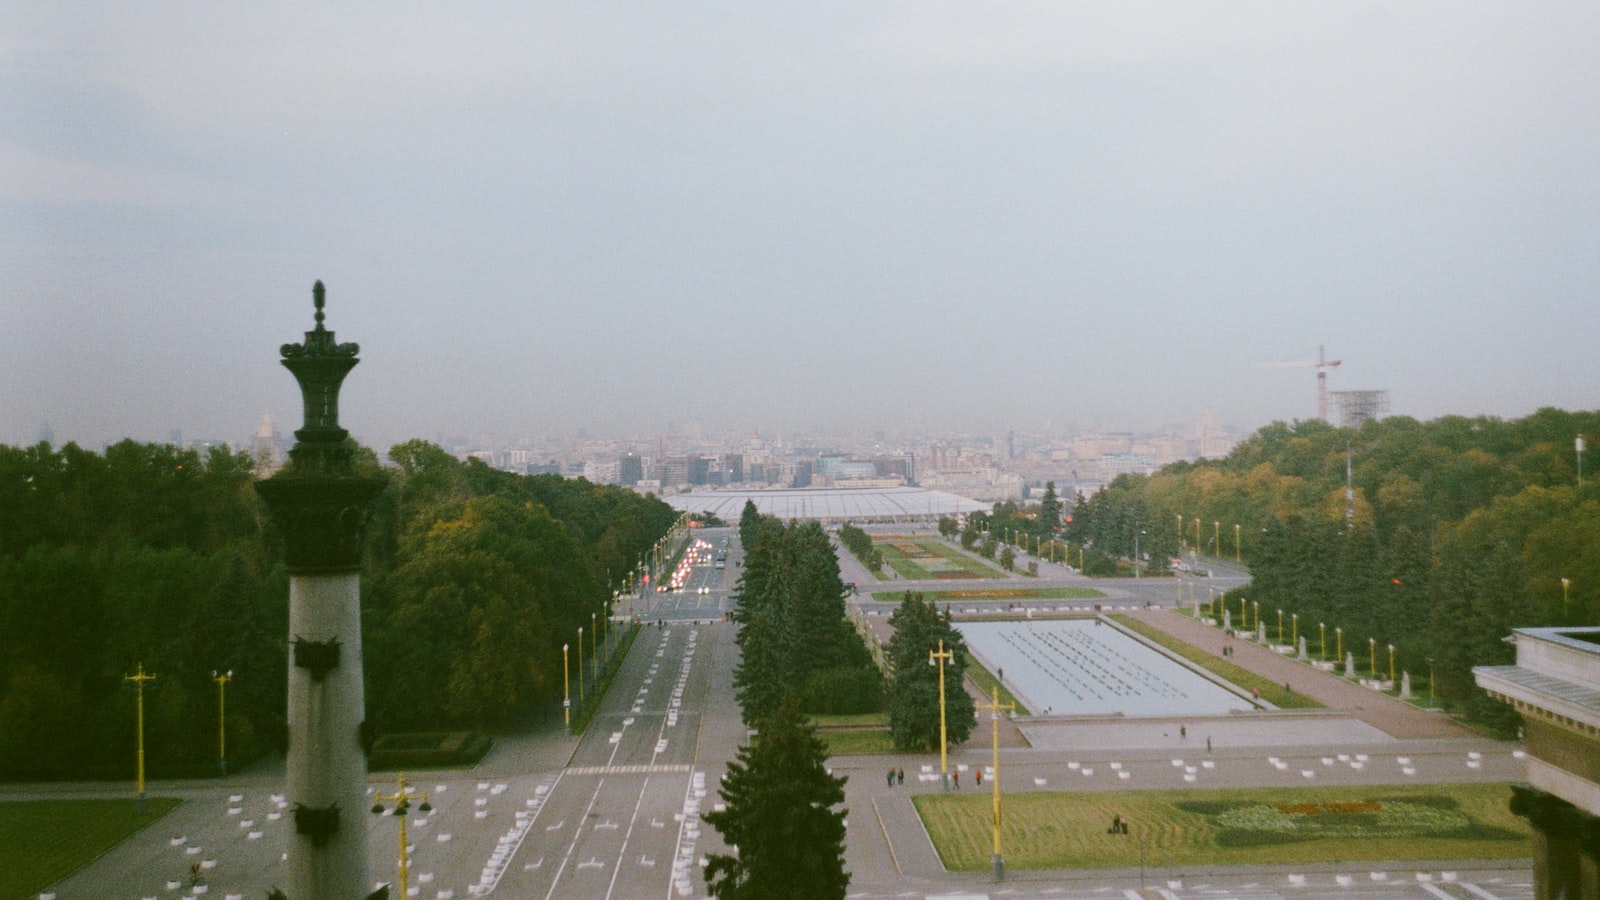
<point>823,218</point>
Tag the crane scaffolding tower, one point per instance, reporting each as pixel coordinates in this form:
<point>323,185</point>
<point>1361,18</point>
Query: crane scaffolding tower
<point>1322,364</point>
<point>1356,408</point>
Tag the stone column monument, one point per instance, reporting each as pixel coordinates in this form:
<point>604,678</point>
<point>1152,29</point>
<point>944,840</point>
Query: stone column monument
<point>320,506</point>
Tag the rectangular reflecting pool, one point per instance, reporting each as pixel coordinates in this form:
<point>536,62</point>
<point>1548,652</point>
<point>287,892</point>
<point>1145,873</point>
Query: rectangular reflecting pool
<point>1081,667</point>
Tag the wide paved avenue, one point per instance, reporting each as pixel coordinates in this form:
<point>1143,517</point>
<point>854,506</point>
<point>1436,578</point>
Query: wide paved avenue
<point>616,813</point>
<point>622,820</point>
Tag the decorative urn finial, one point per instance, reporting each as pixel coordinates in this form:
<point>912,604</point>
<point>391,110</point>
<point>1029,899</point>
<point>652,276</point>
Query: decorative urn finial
<point>318,500</point>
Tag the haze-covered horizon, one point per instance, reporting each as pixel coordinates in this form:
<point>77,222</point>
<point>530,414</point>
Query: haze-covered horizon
<point>825,219</point>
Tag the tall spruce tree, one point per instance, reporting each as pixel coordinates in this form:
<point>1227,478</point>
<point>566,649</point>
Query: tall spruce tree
<point>780,818</point>
<point>914,690</point>
<point>1049,510</point>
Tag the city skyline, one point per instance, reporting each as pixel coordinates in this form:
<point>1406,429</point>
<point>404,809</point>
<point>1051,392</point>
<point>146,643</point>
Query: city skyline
<point>907,218</point>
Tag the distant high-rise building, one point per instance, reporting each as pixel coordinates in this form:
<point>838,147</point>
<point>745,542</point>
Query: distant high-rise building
<point>803,470</point>
<point>904,465</point>
<point>733,467</point>
<point>675,471</point>
<point>1214,443</point>
<point>264,447</point>
<point>699,470</point>
<point>630,469</point>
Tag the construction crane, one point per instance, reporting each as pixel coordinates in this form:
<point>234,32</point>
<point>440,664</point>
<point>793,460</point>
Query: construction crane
<point>1322,365</point>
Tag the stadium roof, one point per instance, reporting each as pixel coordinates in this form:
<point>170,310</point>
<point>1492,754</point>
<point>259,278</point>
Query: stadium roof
<point>891,504</point>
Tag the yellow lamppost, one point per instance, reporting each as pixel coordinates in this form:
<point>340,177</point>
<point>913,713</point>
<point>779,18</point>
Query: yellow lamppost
<point>939,658</point>
<point>1294,626</point>
<point>1391,664</point>
<point>1237,556</point>
<point>1197,547</point>
<point>222,717</point>
<point>1280,626</point>
<point>566,690</point>
<point>1216,538</point>
<point>1338,638</point>
<point>1372,652</point>
<point>1430,681</point>
<point>594,648</point>
<point>1322,641</point>
<point>994,707</point>
<point>1565,584</point>
<point>580,663</point>
<point>1244,618</point>
<point>139,679</point>
<point>401,799</point>
<point>1255,607</point>
<point>1180,532</point>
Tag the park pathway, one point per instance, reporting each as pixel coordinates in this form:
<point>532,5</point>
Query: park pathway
<point>1390,715</point>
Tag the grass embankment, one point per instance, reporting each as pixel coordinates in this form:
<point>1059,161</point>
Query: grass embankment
<point>932,560</point>
<point>47,840</point>
<point>1227,671</point>
<point>1257,826</point>
<point>855,734</point>
<point>987,683</point>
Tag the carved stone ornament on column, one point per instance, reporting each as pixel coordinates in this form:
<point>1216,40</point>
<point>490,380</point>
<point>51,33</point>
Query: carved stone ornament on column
<point>318,657</point>
<point>318,823</point>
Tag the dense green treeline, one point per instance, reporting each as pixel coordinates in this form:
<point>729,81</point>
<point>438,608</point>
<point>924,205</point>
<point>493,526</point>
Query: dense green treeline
<point>798,653</point>
<point>794,637</point>
<point>477,577</point>
<point>153,555</point>
<point>1452,532</point>
<point>859,543</point>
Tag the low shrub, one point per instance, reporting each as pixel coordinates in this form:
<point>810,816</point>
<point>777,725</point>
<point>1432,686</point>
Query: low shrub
<point>428,750</point>
<point>843,691</point>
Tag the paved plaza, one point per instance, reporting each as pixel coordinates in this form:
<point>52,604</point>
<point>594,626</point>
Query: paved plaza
<point>1081,667</point>
<point>616,813</point>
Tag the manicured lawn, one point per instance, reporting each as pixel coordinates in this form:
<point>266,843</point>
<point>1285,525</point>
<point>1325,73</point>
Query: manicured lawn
<point>1251,826</point>
<point>850,742</point>
<point>1227,671</point>
<point>851,734</point>
<point>852,720</point>
<point>1046,593</point>
<point>47,840</point>
<point>929,560</point>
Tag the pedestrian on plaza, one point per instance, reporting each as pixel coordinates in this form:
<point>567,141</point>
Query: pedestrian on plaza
<point>891,776</point>
<point>1183,732</point>
<point>900,776</point>
<point>978,777</point>
<point>1208,743</point>
<point>955,779</point>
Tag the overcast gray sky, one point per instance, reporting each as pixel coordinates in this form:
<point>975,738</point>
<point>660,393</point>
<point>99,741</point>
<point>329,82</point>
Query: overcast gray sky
<point>536,218</point>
